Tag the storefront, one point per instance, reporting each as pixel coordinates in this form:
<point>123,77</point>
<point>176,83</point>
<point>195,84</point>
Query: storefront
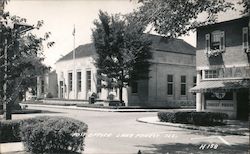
<point>228,96</point>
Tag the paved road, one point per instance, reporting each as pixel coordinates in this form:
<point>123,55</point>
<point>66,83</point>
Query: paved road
<point>116,132</point>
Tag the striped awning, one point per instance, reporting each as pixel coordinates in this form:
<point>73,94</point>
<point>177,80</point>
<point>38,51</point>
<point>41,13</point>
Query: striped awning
<point>220,86</point>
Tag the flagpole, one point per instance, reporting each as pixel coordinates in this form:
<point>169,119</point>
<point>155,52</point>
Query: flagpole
<point>74,63</point>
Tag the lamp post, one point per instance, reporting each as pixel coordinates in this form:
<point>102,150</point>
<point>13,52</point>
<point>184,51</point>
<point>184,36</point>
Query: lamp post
<point>8,29</point>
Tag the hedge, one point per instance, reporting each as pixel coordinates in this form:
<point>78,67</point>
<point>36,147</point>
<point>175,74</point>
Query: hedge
<point>10,131</point>
<point>25,111</point>
<point>53,134</point>
<point>196,118</point>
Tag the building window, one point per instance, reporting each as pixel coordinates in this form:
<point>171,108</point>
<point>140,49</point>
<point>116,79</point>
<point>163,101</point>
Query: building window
<point>245,39</point>
<point>170,84</point>
<point>183,85</point>
<point>134,87</point>
<point>211,74</point>
<point>70,77</point>
<point>42,86</point>
<point>215,40</point>
<point>79,81</point>
<point>88,83</point>
<point>194,81</point>
<point>215,43</point>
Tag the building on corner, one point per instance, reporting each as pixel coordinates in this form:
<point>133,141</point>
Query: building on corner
<point>172,74</point>
<point>223,68</point>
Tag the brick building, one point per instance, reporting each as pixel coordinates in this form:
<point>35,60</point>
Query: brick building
<point>223,70</point>
<point>172,73</point>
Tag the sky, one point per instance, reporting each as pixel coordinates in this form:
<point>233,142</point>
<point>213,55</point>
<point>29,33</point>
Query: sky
<point>60,16</point>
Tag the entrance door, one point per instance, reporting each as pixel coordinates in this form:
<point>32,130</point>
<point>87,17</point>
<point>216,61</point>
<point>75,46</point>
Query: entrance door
<point>61,89</point>
<point>242,104</point>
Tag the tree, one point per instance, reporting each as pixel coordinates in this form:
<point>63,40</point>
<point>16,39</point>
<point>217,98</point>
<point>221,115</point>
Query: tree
<point>173,18</point>
<point>20,58</point>
<point>246,6</point>
<point>123,50</point>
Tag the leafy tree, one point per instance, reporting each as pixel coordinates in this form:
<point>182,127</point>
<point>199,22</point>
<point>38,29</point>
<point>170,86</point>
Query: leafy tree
<point>246,6</point>
<point>24,58</point>
<point>123,49</point>
<point>173,18</point>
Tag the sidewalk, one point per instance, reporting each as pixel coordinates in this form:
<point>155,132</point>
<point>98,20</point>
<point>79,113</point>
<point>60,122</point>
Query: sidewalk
<point>11,148</point>
<point>102,109</point>
<point>233,127</point>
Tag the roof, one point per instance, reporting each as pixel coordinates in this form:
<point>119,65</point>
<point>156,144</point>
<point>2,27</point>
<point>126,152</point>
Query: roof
<point>159,43</point>
<point>221,85</point>
<point>226,21</point>
<point>85,50</point>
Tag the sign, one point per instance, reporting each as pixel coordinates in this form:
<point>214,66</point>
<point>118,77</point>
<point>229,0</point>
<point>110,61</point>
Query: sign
<point>220,95</point>
<point>234,72</point>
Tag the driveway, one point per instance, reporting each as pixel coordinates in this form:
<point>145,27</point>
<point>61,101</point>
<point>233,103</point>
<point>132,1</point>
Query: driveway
<point>119,132</point>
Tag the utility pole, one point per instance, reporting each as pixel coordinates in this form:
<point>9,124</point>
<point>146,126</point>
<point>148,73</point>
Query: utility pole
<point>74,76</point>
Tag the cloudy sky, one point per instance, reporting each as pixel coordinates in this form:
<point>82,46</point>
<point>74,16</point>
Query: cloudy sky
<point>60,16</point>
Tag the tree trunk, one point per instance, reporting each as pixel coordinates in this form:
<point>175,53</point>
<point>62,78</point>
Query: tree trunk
<point>7,111</point>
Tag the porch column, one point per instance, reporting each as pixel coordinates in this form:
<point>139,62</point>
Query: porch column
<point>198,95</point>
<point>234,115</point>
<point>249,100</point>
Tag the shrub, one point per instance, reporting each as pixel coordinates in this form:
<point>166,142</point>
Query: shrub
<point>166,116</point>
<point>25,111</point>
<point>9,131</point>
<point>53,134</point>
<point>111,97</point>
<point>196,118</point>
<point>49,95</point>
<point>115,103</point>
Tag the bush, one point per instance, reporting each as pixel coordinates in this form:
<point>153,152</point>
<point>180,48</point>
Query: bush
<point>9,131</point>
<point>116,103</point>
<point>166,116</point>
<point>25,111</point>
<point>196,118</point>
<point>49,95</point>
<point>53,134</point>
<point>111,97</point>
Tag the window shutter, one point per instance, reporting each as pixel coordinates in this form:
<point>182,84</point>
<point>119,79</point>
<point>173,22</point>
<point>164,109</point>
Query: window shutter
<point>245,38</point>
<point>222,41</point>
<point>207,43</point>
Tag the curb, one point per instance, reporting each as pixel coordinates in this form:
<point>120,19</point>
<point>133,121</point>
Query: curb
<point>191,127</point>
<point>91,109</point>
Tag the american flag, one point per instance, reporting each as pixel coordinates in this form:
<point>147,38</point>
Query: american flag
<point>74,31</point>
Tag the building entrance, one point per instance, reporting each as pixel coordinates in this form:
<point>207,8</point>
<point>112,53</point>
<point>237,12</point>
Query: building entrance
<point>61,89</point>
<point>242,104</point>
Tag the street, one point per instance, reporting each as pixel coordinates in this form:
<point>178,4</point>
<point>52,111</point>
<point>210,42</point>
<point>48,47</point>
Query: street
<point>119,132</point>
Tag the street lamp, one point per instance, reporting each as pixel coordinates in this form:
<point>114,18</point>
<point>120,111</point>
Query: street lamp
<point>17,29</point>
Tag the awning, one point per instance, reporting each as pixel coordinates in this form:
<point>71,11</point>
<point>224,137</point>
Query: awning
<point>221,86</point>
